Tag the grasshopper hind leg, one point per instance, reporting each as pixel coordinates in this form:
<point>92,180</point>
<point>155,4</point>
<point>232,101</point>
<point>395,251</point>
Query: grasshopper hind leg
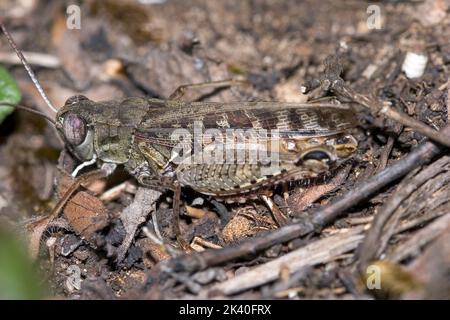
<point>181,90</point>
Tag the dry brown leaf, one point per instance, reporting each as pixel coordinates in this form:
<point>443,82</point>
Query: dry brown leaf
<point>86,214</point>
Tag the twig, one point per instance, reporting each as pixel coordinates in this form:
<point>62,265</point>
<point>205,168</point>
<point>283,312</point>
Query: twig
<point>33,58</point>
<point>115,192</point>
<point>204,243</point>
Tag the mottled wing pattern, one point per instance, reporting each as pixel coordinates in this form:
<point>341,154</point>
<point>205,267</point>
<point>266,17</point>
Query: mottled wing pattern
<point>291,119</point>
<point>267,115</point>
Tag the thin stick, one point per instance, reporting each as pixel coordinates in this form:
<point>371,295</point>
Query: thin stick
<point>28,68</point>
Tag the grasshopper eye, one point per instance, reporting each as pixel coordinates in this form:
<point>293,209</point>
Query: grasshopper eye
<point>75,99</point>
<point>74,128</point>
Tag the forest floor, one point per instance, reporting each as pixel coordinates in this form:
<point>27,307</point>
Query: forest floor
<point>399,227</point>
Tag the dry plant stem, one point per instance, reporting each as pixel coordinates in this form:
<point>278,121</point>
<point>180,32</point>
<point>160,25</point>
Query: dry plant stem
<point>419,156</point>
<point>324,250</point>
<point>204,243</point>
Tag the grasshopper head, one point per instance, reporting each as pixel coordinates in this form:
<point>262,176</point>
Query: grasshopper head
<point>75,129</point>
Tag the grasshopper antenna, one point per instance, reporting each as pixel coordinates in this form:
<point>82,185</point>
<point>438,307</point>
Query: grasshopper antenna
<point>28,68</point>
<point>28,109</point>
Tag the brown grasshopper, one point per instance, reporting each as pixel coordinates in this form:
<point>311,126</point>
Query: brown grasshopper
<point>301,141</point>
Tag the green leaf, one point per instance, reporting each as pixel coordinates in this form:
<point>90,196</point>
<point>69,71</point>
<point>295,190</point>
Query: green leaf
<point>18,277</point>
<point>9,92</point>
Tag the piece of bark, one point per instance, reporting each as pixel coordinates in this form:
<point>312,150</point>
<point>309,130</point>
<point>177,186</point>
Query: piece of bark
<point>320,251</point>
<point>433,267</point>
<point>136,214</point>
<point>420,239</point>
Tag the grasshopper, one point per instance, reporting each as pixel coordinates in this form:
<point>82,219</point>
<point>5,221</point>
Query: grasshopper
<point>304,140</point>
